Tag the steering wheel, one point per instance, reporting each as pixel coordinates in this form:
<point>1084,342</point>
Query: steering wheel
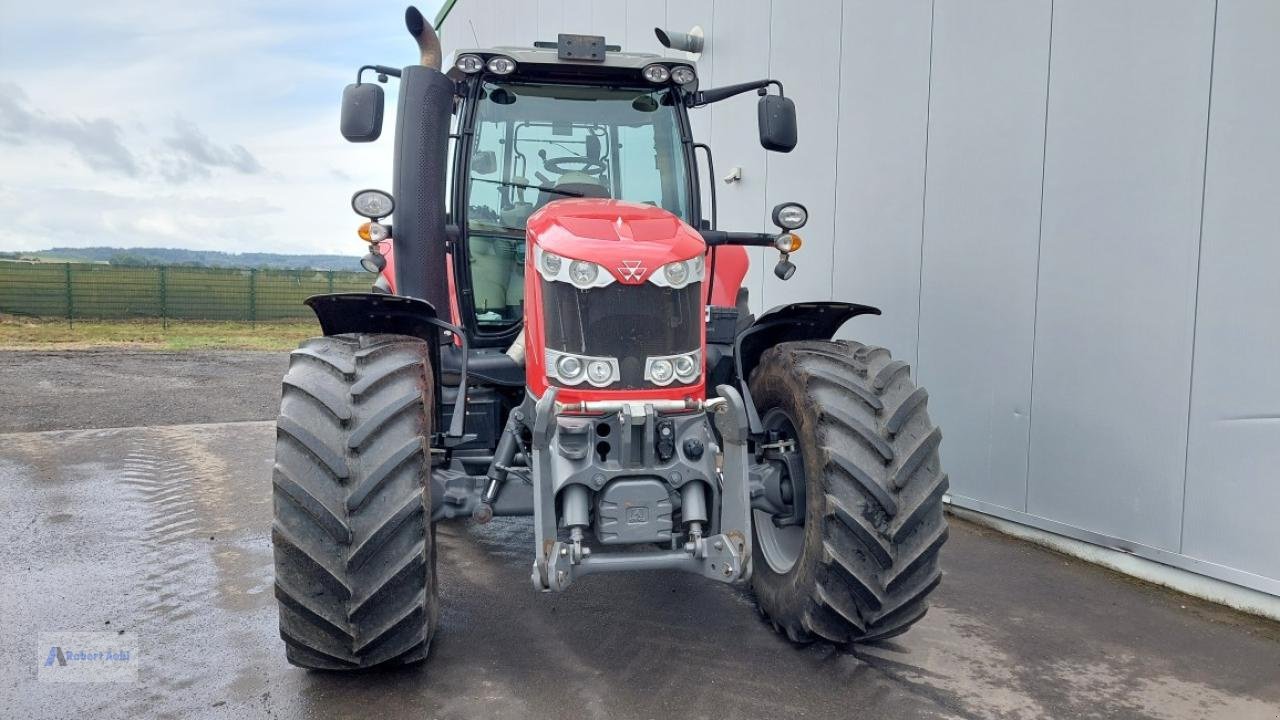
<point>562,165</point>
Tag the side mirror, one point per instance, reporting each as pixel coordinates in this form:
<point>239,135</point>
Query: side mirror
<point>777,115</point>
<point>484,162</point>
<point>362,112</point>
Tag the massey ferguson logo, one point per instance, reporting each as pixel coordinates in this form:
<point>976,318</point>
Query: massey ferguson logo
<point>632,270</point>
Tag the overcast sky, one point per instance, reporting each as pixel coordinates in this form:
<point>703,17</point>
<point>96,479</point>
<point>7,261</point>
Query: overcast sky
<point>207,125</point>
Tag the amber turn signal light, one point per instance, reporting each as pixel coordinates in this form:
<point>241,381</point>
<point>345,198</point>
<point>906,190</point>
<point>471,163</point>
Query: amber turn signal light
<point>788,242</point>
<point>372,232</point>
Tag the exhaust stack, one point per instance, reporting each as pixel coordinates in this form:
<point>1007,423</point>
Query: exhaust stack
<point>421,164</point>
<point>428,41</point>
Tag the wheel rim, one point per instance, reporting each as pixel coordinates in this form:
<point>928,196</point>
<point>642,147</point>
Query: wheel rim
<point>780,546</point>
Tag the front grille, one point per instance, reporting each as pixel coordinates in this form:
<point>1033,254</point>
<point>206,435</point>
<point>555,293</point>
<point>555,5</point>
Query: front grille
<point>627,322</point>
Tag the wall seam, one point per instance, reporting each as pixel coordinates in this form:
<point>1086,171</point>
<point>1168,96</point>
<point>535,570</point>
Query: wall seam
<point>835,158</point>
<point>1195,295</point>
<point>764,280</point>
<point>1035,302</point>
<point>924,186</point>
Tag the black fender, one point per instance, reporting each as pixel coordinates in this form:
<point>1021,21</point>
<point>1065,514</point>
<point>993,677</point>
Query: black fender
<point>796,321</point>
<point>342,313</point>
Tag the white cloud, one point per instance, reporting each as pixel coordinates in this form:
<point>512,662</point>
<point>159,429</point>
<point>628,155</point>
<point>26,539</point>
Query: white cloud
<point>210,126</point>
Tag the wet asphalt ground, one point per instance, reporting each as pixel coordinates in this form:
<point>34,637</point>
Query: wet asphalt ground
<point>160,528</point>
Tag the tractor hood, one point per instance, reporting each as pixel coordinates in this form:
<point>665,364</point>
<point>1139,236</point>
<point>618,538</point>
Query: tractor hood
<point>628,240</point>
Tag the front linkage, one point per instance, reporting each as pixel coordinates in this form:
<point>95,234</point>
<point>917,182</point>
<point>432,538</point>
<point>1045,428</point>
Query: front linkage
<point>653,451</point>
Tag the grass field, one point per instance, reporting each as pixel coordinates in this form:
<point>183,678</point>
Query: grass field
<point>41,334</point>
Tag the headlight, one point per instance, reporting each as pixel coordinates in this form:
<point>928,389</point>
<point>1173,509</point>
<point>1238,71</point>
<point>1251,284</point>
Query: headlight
<point>663,370</point>
<point>685,367</point>
<point>372,204</point>
<point>683,75</point>
<point>550,265</point>
<point>656,73</point>
<point>790,216</point>
<point>582,274</point>
<point>501,65</point>
<point>679,274</point>
<point>599,373</point>
<point>469,63</point>
<point>570,369</point>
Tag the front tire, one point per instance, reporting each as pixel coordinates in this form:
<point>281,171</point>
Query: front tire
<point>354,545</point>
<point>861,567</point>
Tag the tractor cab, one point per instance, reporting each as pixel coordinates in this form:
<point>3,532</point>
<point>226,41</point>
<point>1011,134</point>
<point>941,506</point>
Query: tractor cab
<point>536,127</point>
<point>574,118</point>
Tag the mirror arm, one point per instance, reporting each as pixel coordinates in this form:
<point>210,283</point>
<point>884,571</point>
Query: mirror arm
<point>713,95</point>
<point>382,70</point>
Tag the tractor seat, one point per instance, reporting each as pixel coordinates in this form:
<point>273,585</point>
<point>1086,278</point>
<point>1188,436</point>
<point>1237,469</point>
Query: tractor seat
<point>587,186</point>
<point>489,366</point>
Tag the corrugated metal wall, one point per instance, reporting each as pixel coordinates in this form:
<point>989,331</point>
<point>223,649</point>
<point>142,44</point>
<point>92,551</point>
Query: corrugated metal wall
<point>1069,211</point>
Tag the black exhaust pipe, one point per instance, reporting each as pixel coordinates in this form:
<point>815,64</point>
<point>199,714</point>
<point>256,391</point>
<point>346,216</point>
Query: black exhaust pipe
<point>421,164</point>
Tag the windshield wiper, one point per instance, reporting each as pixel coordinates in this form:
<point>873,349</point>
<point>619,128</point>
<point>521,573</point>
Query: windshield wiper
<point>544,188</point>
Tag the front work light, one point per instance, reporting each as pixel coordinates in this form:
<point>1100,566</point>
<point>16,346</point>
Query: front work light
<point>372,204</point>
<point>790,216</point>
<point>373,261</point>
<point>469,64</point>
<point>683,75</point>
<point>501,65</point>
<point>656,73</point>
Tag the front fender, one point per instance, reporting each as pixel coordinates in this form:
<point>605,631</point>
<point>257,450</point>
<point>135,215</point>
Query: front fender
<point>342,313</point>
<point>784,323</point>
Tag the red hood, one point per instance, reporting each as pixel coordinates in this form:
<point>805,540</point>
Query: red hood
<point>630,240</point>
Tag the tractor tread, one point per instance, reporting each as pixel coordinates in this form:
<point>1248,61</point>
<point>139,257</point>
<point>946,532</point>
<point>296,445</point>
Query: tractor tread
<point>353,542</point>
<point>866,434</point>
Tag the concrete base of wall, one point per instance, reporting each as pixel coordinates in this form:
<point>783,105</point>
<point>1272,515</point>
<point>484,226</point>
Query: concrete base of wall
<point>1206,588</point>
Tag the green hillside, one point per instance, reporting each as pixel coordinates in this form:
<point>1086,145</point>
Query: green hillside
<point>191,258</point>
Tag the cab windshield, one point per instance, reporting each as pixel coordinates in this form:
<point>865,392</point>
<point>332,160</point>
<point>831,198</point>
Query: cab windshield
<point>536,143</point>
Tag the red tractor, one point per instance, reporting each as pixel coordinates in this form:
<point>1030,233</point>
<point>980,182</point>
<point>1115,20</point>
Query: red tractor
<point>558,329</point>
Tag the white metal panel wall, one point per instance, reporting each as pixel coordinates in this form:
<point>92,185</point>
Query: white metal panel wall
<point>1124,165</point>
<point>808,173</point>
<point>1233,463</point>
<point>742,54</point>
<point>880,150</point>
<point>982,235</point>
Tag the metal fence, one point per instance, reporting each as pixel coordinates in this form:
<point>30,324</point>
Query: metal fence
<point>84,291</point>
